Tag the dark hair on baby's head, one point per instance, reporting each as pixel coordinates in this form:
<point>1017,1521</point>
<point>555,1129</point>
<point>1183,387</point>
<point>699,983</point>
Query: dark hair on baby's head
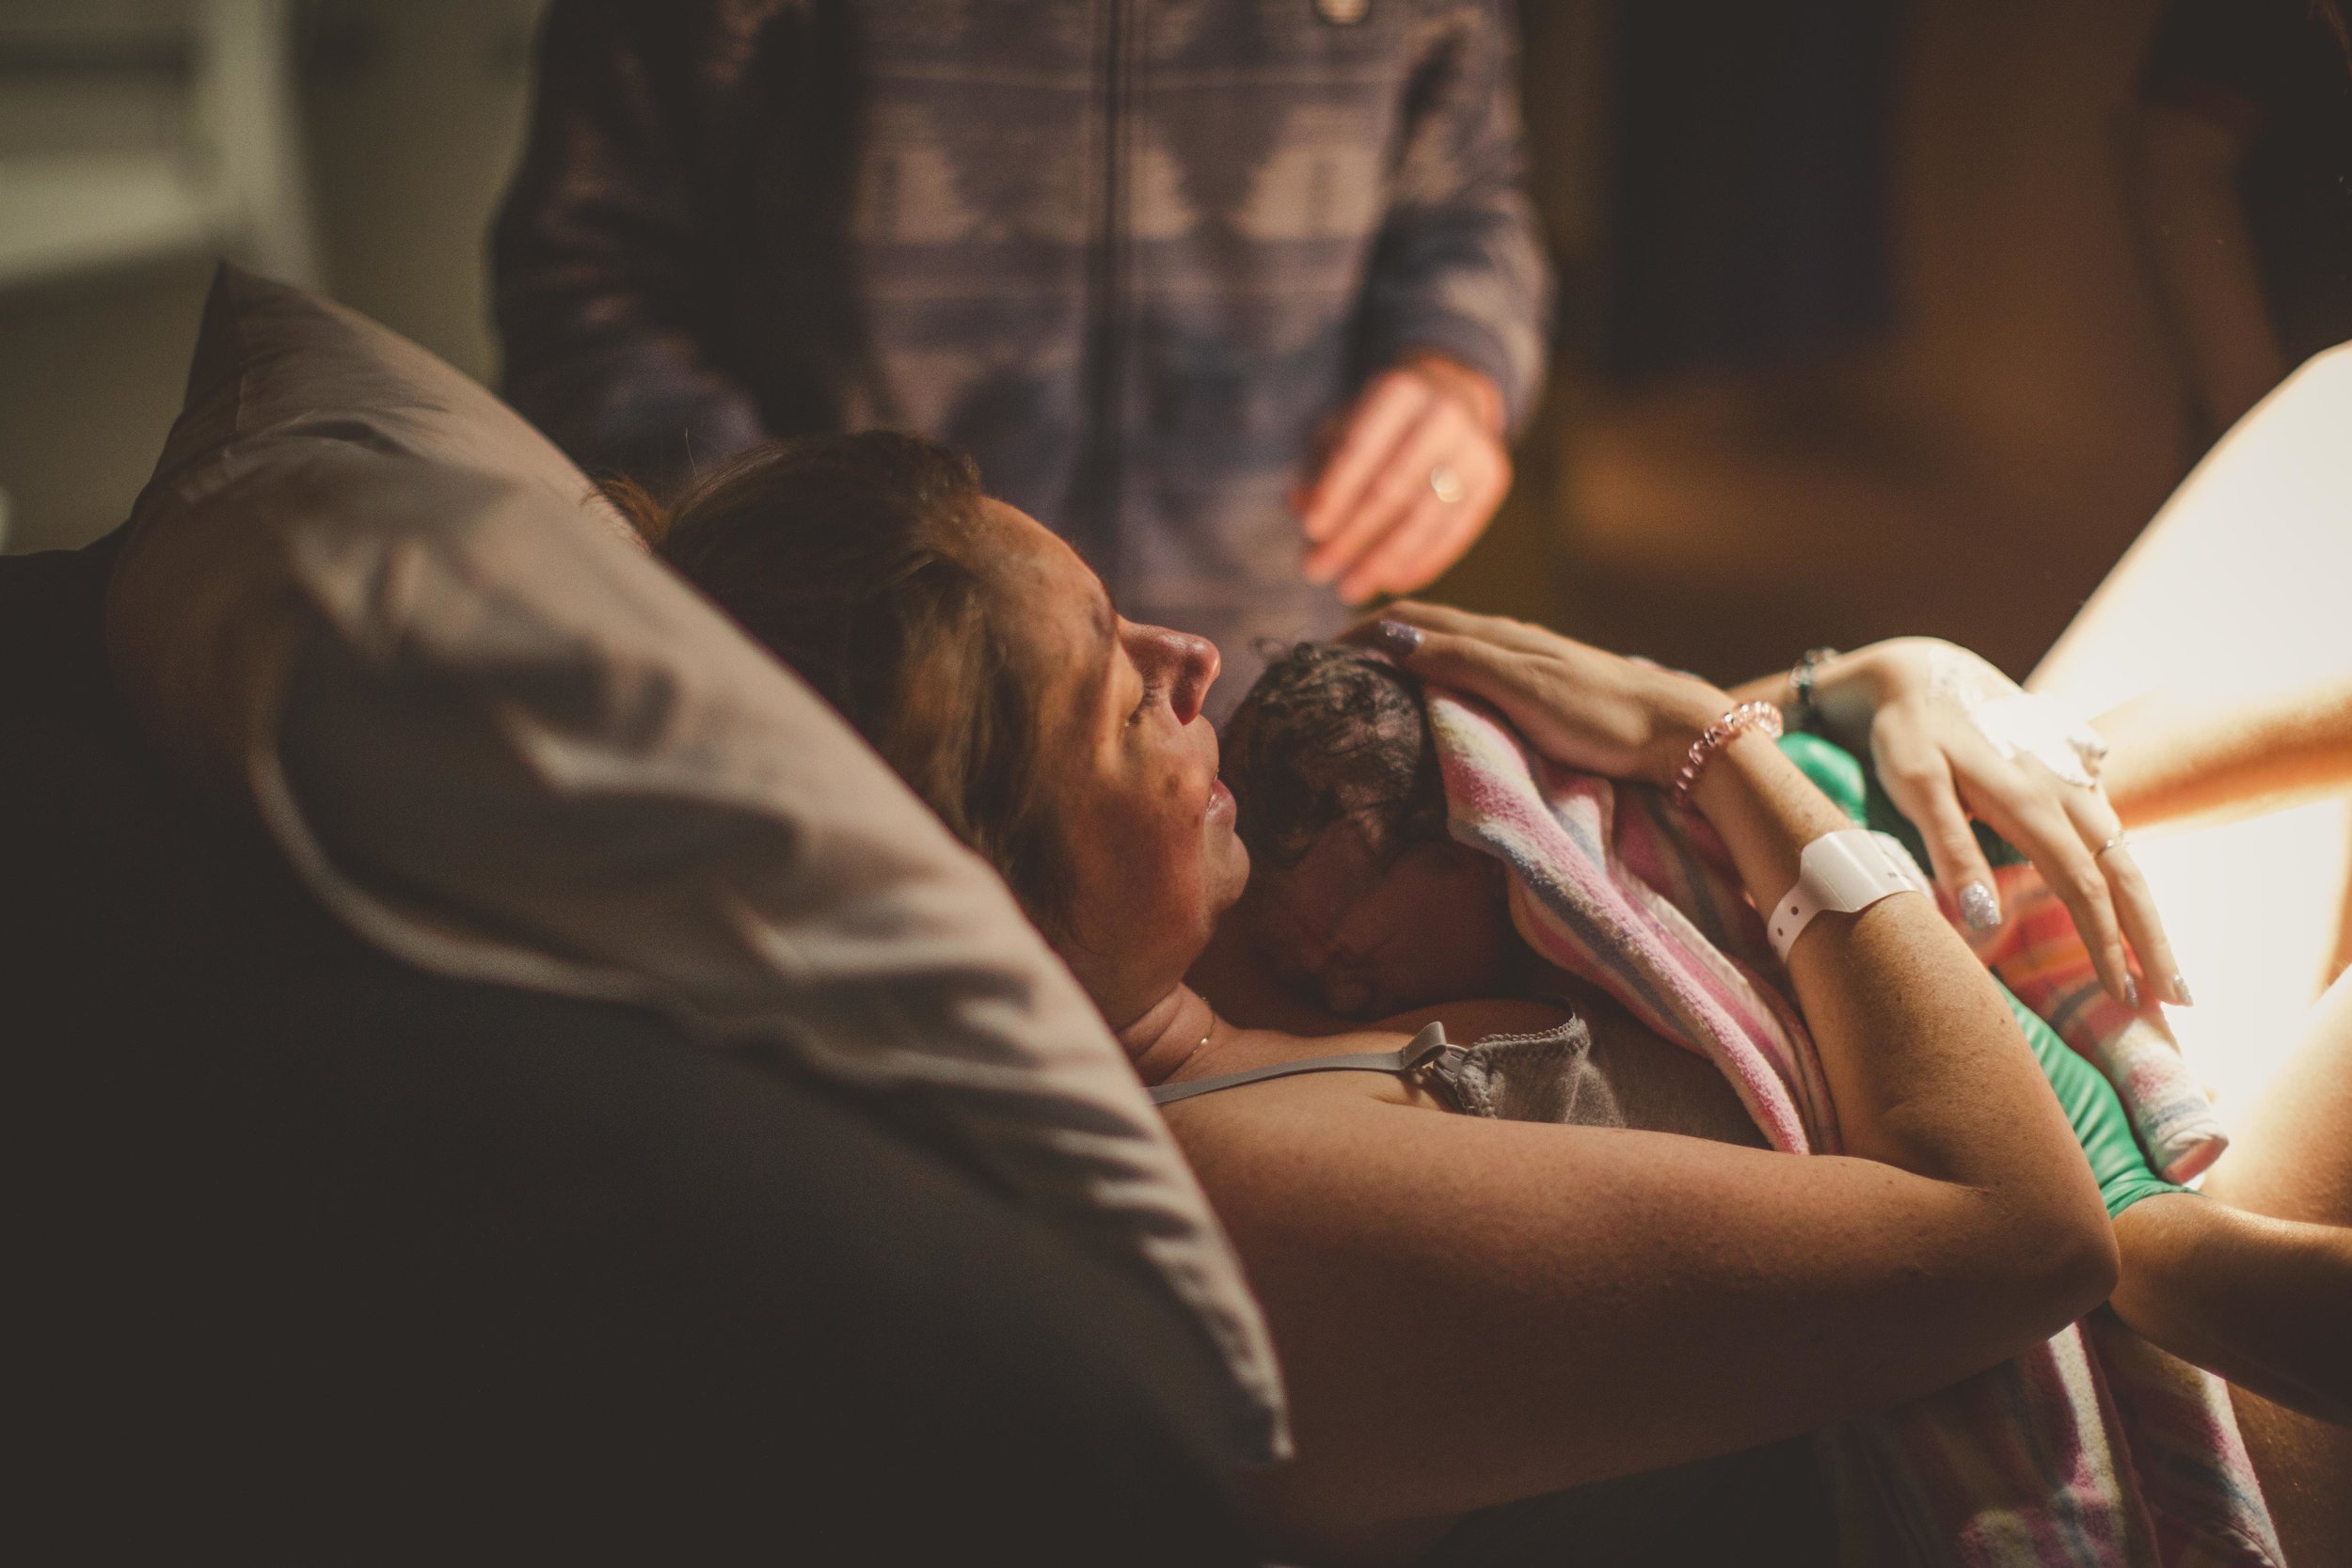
<point>860,561</point>
<point>1332,733</point>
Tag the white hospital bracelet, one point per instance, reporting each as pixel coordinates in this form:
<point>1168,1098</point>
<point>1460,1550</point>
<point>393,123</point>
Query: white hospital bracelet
<point>1840,873</point>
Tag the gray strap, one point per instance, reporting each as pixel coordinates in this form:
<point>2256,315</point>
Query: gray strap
<point>1406,1058</point>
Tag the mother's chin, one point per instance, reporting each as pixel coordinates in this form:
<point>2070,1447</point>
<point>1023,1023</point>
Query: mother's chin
<point>1145,899</point>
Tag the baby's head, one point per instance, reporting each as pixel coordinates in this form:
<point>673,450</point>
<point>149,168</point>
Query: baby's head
<point>1358,897</point>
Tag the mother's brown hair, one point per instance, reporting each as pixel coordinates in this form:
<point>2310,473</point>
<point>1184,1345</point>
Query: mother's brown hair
<point>860,561</point>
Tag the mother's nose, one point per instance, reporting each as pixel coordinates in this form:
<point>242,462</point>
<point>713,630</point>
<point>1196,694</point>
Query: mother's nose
<point>1192,664</point>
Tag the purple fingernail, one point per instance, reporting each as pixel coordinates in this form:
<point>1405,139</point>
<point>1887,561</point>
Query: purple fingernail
<point>2131,994</point>
<point>2180,990</point>
<point>1398,637</point>
<point>1979,908</point>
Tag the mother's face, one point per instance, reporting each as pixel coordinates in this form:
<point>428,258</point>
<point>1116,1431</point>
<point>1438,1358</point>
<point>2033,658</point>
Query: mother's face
<point>1131,767</point>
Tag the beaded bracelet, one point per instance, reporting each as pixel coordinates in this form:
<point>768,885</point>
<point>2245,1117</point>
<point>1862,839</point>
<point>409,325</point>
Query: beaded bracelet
<point>1747,716</point>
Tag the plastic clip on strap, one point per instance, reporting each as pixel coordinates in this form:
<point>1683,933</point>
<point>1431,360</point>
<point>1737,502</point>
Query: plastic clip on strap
<point>1841,873</point>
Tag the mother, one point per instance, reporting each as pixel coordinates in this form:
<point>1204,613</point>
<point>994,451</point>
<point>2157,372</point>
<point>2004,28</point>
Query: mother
<point>1470,1311</point>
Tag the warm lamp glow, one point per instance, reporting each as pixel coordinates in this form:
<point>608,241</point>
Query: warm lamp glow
<point>2242,586</point>
<point>2251,907</point>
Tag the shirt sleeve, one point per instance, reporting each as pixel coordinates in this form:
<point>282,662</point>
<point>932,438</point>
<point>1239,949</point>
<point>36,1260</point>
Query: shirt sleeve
<point>605,288</point>
<point>1459,268</point>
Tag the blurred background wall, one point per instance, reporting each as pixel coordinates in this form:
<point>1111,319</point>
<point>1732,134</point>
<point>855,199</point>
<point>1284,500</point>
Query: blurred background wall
<point>1875,316</point>
<point>1763,437</point>
<point>405,115</point>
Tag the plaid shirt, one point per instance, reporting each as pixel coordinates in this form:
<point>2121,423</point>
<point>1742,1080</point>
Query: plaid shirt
<point>1128,253</point>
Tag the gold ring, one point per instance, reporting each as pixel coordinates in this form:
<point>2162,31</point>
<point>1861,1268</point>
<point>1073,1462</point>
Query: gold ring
<point>2117,842</point>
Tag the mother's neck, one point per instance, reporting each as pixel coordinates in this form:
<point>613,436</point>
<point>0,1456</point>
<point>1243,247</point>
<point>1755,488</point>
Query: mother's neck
<point>1164,1035</point>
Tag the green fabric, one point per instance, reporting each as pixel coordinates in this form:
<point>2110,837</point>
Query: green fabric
<point>1835,771</point>
<point>2095,1111</point>
<point>2093,1107</point>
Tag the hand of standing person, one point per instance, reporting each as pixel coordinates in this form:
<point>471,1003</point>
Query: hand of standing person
<point>1407,478</point>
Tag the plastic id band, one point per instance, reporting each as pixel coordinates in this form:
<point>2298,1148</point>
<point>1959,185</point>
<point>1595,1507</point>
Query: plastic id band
<point>1838,874</point>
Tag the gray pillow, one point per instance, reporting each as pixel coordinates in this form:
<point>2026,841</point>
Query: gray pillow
<point>364,598</point>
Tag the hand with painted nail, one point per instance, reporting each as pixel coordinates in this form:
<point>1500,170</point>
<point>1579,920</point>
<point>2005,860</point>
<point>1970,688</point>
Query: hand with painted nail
<point>1407,478</point>
<point>1577,705</point>
<point>1921,706</point>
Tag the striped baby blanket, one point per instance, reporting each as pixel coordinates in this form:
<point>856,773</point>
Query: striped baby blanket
<point>2095,1450</point>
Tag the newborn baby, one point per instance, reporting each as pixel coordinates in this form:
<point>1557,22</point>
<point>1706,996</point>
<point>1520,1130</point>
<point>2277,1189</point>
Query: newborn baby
<point>1358,898</point>
<point>1359,905</point>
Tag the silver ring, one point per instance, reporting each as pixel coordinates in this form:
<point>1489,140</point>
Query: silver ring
<point>1446,483</point>
<point>2117,842</point>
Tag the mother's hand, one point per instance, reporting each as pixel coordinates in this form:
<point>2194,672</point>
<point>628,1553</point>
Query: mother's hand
<point>1577,705</point>
<point>1952,738</point>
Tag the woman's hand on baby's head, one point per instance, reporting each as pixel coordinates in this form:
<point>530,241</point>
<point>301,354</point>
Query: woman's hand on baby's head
<point>1578,704</point>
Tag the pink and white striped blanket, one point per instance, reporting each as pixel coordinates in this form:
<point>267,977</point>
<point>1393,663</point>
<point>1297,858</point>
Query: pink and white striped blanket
<point>2095,1450</point>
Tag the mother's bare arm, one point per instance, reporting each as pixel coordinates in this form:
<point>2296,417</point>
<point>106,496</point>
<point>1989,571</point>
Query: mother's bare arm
<point>1470,1312</point>
<point>1474,1312</point>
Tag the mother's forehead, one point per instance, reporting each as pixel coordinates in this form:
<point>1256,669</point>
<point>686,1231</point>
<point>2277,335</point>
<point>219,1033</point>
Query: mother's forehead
<point>1062,621</point>
<point>1033,556</point>
<point>1026,557</point>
